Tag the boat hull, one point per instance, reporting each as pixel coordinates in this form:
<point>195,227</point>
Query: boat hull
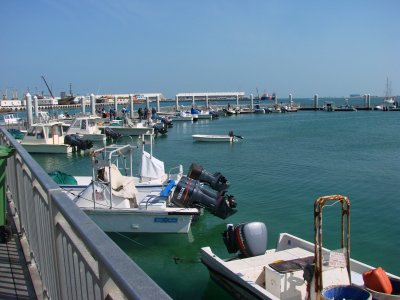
<point>131,131</point>
<point>140,221</point>
<point>47,148</point>
<point>250,278</point>
<point>213,138</point>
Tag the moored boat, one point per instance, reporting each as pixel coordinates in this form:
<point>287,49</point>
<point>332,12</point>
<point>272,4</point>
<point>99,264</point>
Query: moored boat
<point>46,138</point>
<point>128,128</point>
<point>230,138</point>
<point>150,203</point>
<point>10,119</point>
<point>86,126</point>
<point>295,268</point>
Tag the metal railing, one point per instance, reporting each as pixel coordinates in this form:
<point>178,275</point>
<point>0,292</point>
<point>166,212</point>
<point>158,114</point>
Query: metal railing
<point>74,258</point>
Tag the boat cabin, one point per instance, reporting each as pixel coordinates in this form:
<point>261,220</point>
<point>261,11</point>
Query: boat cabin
<point>48,133</point>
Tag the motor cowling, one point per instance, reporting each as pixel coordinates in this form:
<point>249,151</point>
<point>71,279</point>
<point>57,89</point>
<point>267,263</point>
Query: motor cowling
<point>248,238</point>
<point>111,134</point>
<point>192,193</point>
<point>216,181</point>
<point>75,140</point>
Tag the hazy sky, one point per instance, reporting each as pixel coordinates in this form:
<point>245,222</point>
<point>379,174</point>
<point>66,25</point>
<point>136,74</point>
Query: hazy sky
<point>328,47</point>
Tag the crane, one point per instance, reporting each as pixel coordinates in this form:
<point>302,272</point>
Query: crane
<point>51,93</point>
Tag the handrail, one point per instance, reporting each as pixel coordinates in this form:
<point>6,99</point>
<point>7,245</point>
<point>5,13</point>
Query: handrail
<point>75,259</point>
<point>344,241</point>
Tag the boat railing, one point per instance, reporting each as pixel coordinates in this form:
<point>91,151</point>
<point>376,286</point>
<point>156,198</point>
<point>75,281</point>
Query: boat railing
<point>73,257</point>
<point>175,172</point>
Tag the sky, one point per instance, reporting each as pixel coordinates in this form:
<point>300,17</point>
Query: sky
<point>324,47</point>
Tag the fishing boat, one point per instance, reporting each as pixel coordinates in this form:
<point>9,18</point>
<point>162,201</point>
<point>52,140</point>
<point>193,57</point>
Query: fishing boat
<point>296,268</point>
<point>230,138</point>
<point>148,174</point>
<point>117,203</point>
<point>46,138</point>
<point>50,138</point>
<point>86,127</point>
<point>128,128</point>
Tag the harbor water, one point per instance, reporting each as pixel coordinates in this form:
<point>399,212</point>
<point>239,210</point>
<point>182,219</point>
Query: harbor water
<point>283,164</point>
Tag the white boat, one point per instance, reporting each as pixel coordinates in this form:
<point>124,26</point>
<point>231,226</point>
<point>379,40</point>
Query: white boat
<point>86,127</point>
<point>182,116</point>
<point>128,128</point>
<point>258,109</point>
<point>46,138</point>
<point>274,109</point>
<point>214,138</point>
<point>117,203</point>
<point>10,119</point>
<point>296,268</point>
<point>150,171</point>
<point>205,115</point>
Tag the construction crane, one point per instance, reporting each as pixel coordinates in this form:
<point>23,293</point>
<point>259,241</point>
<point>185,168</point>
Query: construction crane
<point>51,93</point>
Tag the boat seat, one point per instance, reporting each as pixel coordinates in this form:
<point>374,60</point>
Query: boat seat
<point>122,186</point>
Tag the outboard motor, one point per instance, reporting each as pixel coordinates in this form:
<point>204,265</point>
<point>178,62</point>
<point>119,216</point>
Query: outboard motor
<point>216,181</point>
<point>248,238</point>
<point>159,128</point>
<point>191,193</point>
<point>111,134</point>
<point>75,140</point>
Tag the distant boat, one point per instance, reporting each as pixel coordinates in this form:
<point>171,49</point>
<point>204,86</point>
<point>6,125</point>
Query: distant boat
<point>10,119</point>
<point>230,138</point>
<point>389,102</point>
<point>345,107</point>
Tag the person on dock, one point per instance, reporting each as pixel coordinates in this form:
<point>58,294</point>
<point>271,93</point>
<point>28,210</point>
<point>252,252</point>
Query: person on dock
<point>146,113</point>
<point>153,113</point>
<point>140,113</point>
<point>112,114</point>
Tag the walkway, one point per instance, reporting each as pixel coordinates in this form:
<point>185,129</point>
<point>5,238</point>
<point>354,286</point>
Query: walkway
<point>15,279</point>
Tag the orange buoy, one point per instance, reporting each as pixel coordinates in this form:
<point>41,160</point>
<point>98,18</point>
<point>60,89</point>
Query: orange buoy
<point>378,280</point>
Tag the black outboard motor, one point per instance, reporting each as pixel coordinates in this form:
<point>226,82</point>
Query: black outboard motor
<point>216,181</point>
<point>160,128</point>
<point>191,193</point>
<point>248,238</point>
<point>111,134</point>
<point>76,141</point>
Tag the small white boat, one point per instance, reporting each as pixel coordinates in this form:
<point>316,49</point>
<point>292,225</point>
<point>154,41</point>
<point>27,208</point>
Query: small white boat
<point>87,127</point>
<point>205,115</point>
<point>120,203</point>
<point>182,116</point>
<point>214,138</point>
<point>295,269</point>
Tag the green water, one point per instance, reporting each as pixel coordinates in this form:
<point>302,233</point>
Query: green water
<point>284,163</point>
